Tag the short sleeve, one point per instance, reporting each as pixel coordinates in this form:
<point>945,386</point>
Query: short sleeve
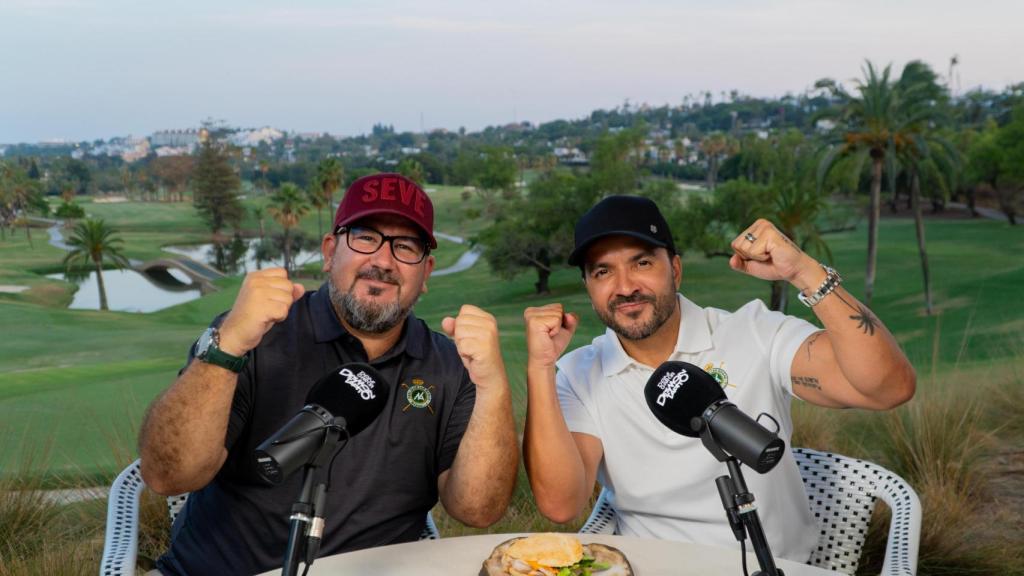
<point>791,333</point>
<point>462,410</point>
<point>577,416</point>
<point>241,406</point>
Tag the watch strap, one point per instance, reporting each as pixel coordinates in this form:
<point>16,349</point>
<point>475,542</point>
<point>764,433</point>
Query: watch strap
<point>221,358</point>
<point>214,355</point>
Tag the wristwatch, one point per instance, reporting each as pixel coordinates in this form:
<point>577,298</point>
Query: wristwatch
<point>208,350</point>
<point>828,285</point>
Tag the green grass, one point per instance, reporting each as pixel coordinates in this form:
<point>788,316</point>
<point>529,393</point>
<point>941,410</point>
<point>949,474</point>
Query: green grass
<point>74,383</point>
<point>78,361</point>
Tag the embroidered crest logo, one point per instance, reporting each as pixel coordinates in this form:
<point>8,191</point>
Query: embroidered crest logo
<point>719,374</point>
<point>418,395</point>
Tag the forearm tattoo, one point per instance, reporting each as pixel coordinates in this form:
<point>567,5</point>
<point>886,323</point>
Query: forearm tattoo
<point>866,321</point>
<point>806,381</point>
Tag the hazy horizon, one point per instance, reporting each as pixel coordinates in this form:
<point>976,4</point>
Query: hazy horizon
<point>80,70</point>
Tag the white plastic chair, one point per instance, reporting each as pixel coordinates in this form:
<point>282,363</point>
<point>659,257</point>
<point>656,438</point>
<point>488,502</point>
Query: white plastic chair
<point>120,547</point>
<point>842,492</point>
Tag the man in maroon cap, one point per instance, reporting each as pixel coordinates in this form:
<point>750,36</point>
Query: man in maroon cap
<point>446,433</point>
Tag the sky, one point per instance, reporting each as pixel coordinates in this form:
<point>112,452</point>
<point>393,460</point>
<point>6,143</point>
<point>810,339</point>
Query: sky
<point>93,69</point>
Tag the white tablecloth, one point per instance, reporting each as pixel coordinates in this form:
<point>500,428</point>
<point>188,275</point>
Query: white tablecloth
<point>465,556</point>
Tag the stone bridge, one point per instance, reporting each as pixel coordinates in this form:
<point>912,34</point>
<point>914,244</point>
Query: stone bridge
<point>201,275</point>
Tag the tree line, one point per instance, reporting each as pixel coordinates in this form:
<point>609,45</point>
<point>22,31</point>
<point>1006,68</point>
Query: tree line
<point>896,141</point>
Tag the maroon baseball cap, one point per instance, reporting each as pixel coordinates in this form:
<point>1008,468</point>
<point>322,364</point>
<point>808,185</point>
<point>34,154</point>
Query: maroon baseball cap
<point>387,193</point>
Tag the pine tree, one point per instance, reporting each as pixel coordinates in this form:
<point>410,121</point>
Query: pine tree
<point>216,185</point>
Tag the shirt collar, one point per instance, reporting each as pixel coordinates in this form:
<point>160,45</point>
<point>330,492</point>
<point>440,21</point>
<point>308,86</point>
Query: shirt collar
<point>327,327</point>
<point>694,336</point>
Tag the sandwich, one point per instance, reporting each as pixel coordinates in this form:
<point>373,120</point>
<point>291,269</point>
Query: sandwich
<point>552,554</point>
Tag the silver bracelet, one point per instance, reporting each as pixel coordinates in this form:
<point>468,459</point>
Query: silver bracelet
<point>831,282</point>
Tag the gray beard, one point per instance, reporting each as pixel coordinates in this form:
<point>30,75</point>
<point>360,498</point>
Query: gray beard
<point>664,306</point>
<point>367,317</point>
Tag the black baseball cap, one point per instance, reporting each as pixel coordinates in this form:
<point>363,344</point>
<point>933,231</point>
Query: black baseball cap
<point>621,215</point>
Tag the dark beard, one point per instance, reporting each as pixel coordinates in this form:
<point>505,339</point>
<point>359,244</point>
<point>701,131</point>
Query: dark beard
<point>664,306</point>
<point>369,317</point>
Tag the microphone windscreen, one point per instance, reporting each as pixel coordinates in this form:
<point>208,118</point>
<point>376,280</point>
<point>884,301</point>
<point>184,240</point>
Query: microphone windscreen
<point>677,392</point>
<point>355,392</point>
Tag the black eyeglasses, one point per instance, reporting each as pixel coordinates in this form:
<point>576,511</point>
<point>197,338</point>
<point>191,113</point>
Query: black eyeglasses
<point>366,240</point>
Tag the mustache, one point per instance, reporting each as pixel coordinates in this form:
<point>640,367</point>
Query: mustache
<point>633,298</point>
<point>379,275</point>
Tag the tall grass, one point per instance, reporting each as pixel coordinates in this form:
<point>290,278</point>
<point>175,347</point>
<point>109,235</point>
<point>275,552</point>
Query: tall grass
<point>954,443</point>
<point>38,534</point>
<point>959,442</point>
<point>24,509</point>
<point>939,445</point>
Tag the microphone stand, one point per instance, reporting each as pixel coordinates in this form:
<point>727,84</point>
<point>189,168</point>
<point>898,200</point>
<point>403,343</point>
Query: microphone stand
<point>307,509</point>
<point>739,504</point>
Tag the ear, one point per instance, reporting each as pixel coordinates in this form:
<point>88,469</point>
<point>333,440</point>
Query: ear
<point>429,267</point>
<point>677,270</point>
<point>328,244</point>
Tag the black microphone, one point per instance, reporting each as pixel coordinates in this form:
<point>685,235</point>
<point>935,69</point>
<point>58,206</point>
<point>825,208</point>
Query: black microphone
<point>687,400</point>
<point>349,398</point>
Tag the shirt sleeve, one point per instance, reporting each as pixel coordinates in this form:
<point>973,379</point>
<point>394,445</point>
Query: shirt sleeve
<point>578,417</point>
<point>791,332</point>
<point>462,410</point>
<point>241,405</point>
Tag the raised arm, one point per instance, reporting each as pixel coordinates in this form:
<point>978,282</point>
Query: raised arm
<point>854,362</point>
<point>561,465</point>
<point>182,437</point>
<point>477,488</point>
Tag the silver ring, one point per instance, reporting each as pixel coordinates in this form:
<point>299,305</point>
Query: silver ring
<point>749,237</point>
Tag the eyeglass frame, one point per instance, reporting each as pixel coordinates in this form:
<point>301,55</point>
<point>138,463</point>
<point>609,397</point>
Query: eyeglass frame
<point>385,239</point>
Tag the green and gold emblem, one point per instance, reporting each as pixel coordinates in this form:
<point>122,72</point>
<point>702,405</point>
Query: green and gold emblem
<point>418,395</point>
<point>719,374</point>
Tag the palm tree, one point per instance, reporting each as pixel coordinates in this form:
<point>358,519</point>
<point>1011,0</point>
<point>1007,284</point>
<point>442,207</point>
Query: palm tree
<point>878,122</point>
<point>330,174</point>
<point>258,213</point>
<point>794,203</point>
<point>796,210</point>
<point>317,200</point>
<point>264,167</point>
<point>715,147</point>
<point>8,202</point>
<point>20,195</point>
<point>927,155</point>
<point>288,206</point>
<point>93,241</point>
<point>127,180</point>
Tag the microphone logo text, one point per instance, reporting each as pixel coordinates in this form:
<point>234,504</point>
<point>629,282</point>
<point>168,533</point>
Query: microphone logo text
<point>361,382</point>
<point>670,384</point>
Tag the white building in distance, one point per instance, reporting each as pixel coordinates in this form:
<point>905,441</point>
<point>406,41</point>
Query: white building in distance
<point>187,138</point>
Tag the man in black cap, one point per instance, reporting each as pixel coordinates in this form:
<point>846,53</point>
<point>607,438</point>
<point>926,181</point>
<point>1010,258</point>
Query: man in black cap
<point>587,419</point>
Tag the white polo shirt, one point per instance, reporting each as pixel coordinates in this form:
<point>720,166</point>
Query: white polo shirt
<point>663,482</point>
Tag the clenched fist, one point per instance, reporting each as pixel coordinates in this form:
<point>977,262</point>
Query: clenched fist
<point>764,252</point>
<point>264,300</point>
<point>548,332</point>
<point>475,333</point>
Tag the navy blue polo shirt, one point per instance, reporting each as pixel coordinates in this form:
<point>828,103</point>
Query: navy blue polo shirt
<point>383,482</point>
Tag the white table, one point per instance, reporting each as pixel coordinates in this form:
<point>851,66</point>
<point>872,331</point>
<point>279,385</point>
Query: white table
<point>465,556</point>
